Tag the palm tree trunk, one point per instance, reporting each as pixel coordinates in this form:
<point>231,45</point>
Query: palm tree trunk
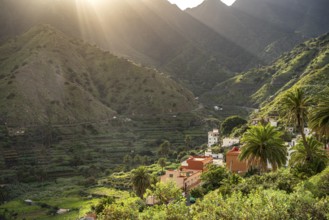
<point>306,145</point>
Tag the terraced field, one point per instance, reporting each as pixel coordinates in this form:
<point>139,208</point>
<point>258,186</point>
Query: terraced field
<point>79,148</point>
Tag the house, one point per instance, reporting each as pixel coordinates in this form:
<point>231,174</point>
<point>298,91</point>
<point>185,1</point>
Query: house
<point>234,164</point>
<point>16,131</point>
<point>209,153</point>
<point>213,137</point>
<point>228,142</point>
<point>255,121</point>
<point>290,145</point>
<point>307,131</point>
<point>196,163</point>
<point>218,159</point>
<point>290,129</point>
<point>273,122</point>
<point>184,178</point>
<point>188,176</point>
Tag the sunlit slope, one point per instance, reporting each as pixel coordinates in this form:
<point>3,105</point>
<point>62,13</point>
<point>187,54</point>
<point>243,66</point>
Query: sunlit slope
<point>307,65</point>
<point>265,28</point>
<point>47,76</point>
<point>151,32</point>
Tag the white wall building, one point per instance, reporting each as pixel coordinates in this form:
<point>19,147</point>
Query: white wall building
<point>290,150</point>
<point>213,137</point>
<point>273,122</point>
<point>228,142</point>
<point>307,131</point>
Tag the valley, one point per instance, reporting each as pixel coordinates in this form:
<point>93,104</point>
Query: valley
<point>93,93</point>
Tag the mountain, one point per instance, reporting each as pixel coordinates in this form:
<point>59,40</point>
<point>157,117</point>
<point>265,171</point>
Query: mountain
<point>265,28</point>
<point>306,66</point>
<point>151,32</point>
<point>46,76</point>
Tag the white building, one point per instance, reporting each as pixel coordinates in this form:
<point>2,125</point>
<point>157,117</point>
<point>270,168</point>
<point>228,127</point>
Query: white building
<point>273,122</point>
<point>208,153</point>
<point>213,137</point>
<point>290,150</point>
<point>307,131</point>
<point>228,142</point>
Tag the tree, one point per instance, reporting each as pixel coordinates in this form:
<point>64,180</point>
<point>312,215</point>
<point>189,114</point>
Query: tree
<point>294,109</point>
<point>165,192</point>
<point>127,160</point>
<point>262,144</point>
<point>141,180</point>
<point>319,119</point>
<point>213,177</point>
<point>230,123</point>
<point>299,158</point>
<point>188,141</point>
<point>164,149</point>
<point>162,162</point>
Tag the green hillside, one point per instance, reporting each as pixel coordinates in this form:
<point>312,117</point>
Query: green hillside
<point>46,76</point>
<point>66,106</point>
<point>305,66</point>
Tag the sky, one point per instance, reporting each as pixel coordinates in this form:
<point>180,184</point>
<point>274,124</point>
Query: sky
<point>183,4</point>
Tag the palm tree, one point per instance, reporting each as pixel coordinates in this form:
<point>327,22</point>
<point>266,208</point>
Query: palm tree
<point>262,144</point>
<point>299,156</point>
<point>294,109</point>
<point>319,119</point>
<point>141,180</point>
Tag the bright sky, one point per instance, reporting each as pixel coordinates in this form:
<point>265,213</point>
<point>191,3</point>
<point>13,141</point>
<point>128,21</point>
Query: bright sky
<point>183,4</point>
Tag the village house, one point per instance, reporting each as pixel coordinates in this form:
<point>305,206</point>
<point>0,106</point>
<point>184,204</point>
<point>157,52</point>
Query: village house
<point>228,142</point>
<point>209,153</point>
<point>213,137</point>
<point>290,129</point>
<point>16,131</point>
<point>233,163</point>
<point>188,176</point>
<point>273,122</point>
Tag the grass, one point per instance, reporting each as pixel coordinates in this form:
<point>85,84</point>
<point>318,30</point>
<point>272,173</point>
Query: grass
<point>66,193</point>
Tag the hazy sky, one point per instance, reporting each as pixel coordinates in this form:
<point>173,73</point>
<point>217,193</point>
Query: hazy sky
<point>183,4</point>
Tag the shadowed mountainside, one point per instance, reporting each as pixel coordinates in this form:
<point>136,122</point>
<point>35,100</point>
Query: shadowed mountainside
<point>47,76</point>
<point>306,66</point>
<point>152,32</point>
<point>265,28</point>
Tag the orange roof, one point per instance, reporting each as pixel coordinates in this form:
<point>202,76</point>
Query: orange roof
<point>203,159</point>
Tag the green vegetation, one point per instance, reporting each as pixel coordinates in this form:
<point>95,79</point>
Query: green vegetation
<point>300,157</point>
<point>306,66</point>
<point>263,144</point>
<point>295,105</point>
<point>319,118</point>
<point>231,123</point>
<point>141,180</point>
<point>85,131</point>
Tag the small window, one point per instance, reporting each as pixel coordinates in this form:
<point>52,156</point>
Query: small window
<point>171,175</point>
